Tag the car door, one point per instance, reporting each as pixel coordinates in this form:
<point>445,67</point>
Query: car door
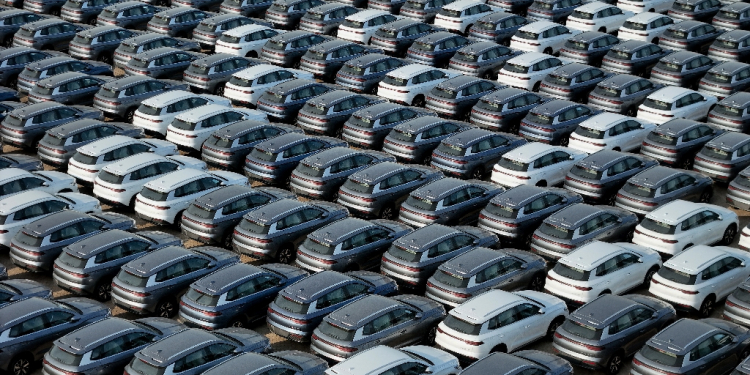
<point>511,272</point>
<point>405,328</point>
<point>714,355</point>
<point>114,354</point>
<point>113,258</point>
<point>731,275</point>
<point>253,296</point>
<point>558,168</point>
<point>633,327</point>
<point>529,323</point>
<point>714,226</point>
<point>630,273</point>
<point>56,324</point>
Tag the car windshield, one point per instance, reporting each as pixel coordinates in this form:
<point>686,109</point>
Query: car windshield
<point>415,5</point>
<point>590,133</point>
<point>725,44</point>
<point>523,34</point>
<point>462,326</point>
<point>254,227</point>
<point>395,81</point>
<point>635,25</point>
<point>451,279</point>
<point>619,55</point>
<point>421,203</point>
<point>318,247</point>
<point>353,24</point>
<point>219,142</point>
<point>184,125</point>
<point>513,165</point>
<point>502,211</point>
<point>353,70</point>
<point>316,109</point>
<point>676,34</point>
<point>575,45</point>
<point>85,159</point>
<point>359,187</point>
<point>539,118</point>
<point>588,173</point>
<point>201,298</point>
<point>638,190</point>
<point>310,170</point>
<point>28,239</point>
<point>608,92</point>
<point>516,68</point>
<point>64,357</point>
<point>676,276</point>
<point>581,330</point>
<point>727,110</point>
<point>662,138</point>
<point>716,153</point>
<point>241,82</point>
<point>570,272</point>
<point>404,253</point>
<point>669,67</point>
<point>263,155</point>
<point>583,15</point>
<point>558,80</point>
<point>149,110</point>
<point>154,195</point>
<point>661,356</point>
<point>291,305</point>
<point>718,77</point>
<point>201,212</point>
<point>657,104</point>
<point>403,136</point>
<point>71,260</point>
<point>741,294</point>
<point>132,280</point>
<point>442,92</point>
<point>556,231</point>
<point>338,333</point>
<point>110,177</point>
<point>142,368</point>
<point>451,149</point>
<point>53,140</point>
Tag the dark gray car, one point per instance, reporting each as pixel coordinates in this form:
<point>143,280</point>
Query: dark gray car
<point>498,27</point>
<point>473,153</point>
<point>723,157</point>
<point>84,11</point>
<point>283,101</point>
<point>108,345</point>
<point>599,176</point>
<point>325,59</point>
<point>348,244</point>
<point>690,36</point>
<point>229,146</point>
<point>39,70</point>
<point>737,305</point>
<point>286,14</point>
<point>364,73</point>
<point>211,73</point>
<point>60,143</point>
<point>520,363</point>
<point>682,68</point>
<point>12,20</point>
<point>287,49</point>
<point>378,191</point>
<point>122,97</point>
<point>320,176</point>
<point>436,49</point>
<point>192,351</point>
<point>420,10</point>
<point>164,62</point>
<point>515,214</point>
<point>235,296</point>
<point>326,18</point>
<point>210,29</point>
<point>128,14</point>
<point>396,37</point>
<point>454,98</point>
<point>589,47</point>
<point>572,82</point>
<point>299,308</point>
<point>732,46</point>
<point>25,126</point>
<point>603,333</point>
<point>621,93</point>
<point>504,109</point>
<point>677,141</point>
<point>178,21</point>
<point>578,224</point>
<point>554,121</point>
<point>633,57</point>
<point>88,266</point>
<point>36,246</point>
<point>697,10</point>
<point>368,127</point>
<point>481,269</point>
<point>733,16</point>
<point>151,283</point>
<point>33,324</point>
<point>283,362</point>
<point>413,258</point>
<point>376,320</point>
<point>21,289</point>
<point>68,88</point>
<point>249,8</point>
<point>49,33</point>
<point>660,185</point>
<point>129,48</point>
<point>552,10</point>
<point>327,113</point>
<point>14,60</point>
<point>20,161</point>
<point>415,140</point>
<point>274,231</point>
<point>211,218</point>
<point>738,193</point>
<point>99,43</point>
<point>482,59</point>
<point>51,7</point>
<point>448,201</point>
<point>725,79</point>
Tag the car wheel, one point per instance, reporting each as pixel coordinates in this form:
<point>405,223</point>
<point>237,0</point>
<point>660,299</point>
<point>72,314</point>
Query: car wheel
<point>219,90</point>
<point>611,199</point>
<point>488,75</point>
<point>227,241</point>
<point>536,87</point>
<point>166,308</point>
<point>707,307</point>
<point>565,140</point>
<point>427,159</point>
<point>388,212</point>
<point>686,164</point>
<point>614,364</point>
<point>553,326</point>
<point>706,195</point>
<point>527,240</point>
<point>129,114</point>
<point>296,64</point>
<point>629,235</point>
<point>252,54</point>
<point>499,349</point>
<point>13,83</point>
<point>650,275</point>
<point>632,111</point>
<point>431,335</point>
<point>537,282</point>
<point>729,234</point>
<point>548,50</point>
<point>178,220</point>
<point>92,21</point>
<point>477,173</point>
<point>21,365</point>
<point>8,41</point>
<point>514,128</point>
<point>603,29</point>
<point>418,101</point>
<point>541,183</point>
<point>285,254</point>
<point>238,323</point>
<point>55,12</point>
<point>103,290</point>
<point>655,40</point>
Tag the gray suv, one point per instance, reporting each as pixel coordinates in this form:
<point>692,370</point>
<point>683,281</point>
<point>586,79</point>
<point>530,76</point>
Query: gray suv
<point>227,147</point>
<point>723,157</point>
<point>660,185</point>
<point>99,43</point>
<point>211,73</point>
<point>622,94</point>
<point>60,143</point>
<point>84,11</point>
<point>128,14</point>
<point>14,60</point>
<point>49,33</point>
<point>327,113</point>
<point>122,97</point>
<point>12,20</point>
<point>415,140</point>
<point>164,62</point>
<point>141,43</point>
<point>178,21</point>
<point>283,101</point>
<point>368,127</point>
<point>473,153</point>
<point>68,88</point>
<point>40,70</point>
<point>677,141</point>
<point>25,126</point>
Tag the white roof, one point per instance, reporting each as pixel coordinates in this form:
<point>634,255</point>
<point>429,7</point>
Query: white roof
<point>604,121</point>
<point>10,174</point>
<point>529,58</point>
<point>531,151</point>
<point>106,144</point>
<point>462,4</point>
<point>245,29</point>
<point>14,202</point>
<point>173,180</point>
<point>371,361</point>
<point>696,258</point>
<point>645,17</point>
<point>591,255</point>
<point>168,97</point>
<point>676,211</point>
<point>410,70</point>
<point>133,162</point>
<point>486,305</point>
<point>366,15</point>
<point>539,26</point>
<point>256,71</point>
<point>200,113</point>
<point>594,7</point>
<point>670,93</point>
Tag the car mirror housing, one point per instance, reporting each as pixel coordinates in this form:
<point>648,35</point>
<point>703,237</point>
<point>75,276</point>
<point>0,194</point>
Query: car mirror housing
<point>640,260</point>
<point>743,264</point>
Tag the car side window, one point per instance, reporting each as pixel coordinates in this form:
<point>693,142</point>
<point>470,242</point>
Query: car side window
<point>670,185</point>
<point>66,233</point>
<point>176,270</point>
<point>713,270</point>
<point>609,266</point>
<point>617,168</point>
<point>245,203</point>
<point>620,324</point>
<point>456,198</point>
<point>692,222</point>
<point>503,319</point>
<point>545,161</point>
<point>730,263</point>
<point>392,181</point>
<point>709,346</point>
<point>252,286</point>
<point>120,344</point>
<point>121,251</point>
<point>535,206</point>
<point>290,221</point>
<point>28,326</point>
<point>376,325</point>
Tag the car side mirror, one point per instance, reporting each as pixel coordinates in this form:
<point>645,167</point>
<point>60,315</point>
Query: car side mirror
<point>418,315</point>
<point>476,242</point>
<point>45,184</point>
<point>743,264</point>
<point>654,315</point>
<point>74,319</point>
<point>325,214</point>
<point>151,149</point>
<point>524,266</point>
<point>428,370</point>
<point>280,283</point>
<point>735,339</point>
<point>571,157</point>
<point>237,351</point>
<point>640,260</point>
<point>704,99</point>
<point>619,220</point>
<point>541,312</point>
<point>564,200</point>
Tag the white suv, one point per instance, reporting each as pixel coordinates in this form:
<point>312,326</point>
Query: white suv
<point>680,224</point>
<point>360,27</point>
<point>598,268</point>
<point>598,16</point>
<point>699,276</point>
<point>646,27</point>
<point>156,113</point>
<point>535,163</point>
<point>246,40</point>
<point>675,102</point>
<point>500,321</point>
<point>15,180</point>
<point>542,36</point>
<point>246,86</point>
<point>192,128</point>
<point>91,158</point>
<point>409,84</point>
<point>527,71</point>
<point>610,131</point>
<point>119,182</point>
<point>460,15</point>
<point>645,6</point>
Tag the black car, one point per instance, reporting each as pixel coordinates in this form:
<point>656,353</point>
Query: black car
<point>696,10</point>
<point>621,93</point>
<point>287,49</point>
<point>396,37</point>
<point>589,47</point>
<point>436,49</point>
<point>286,14</point>
<point>11,20</point>
<point>634,57</point>
<point>415,140</point>
<point>554,121</point>
<point>283,101</point>
<point>122,97</point>
<point>572,82</point>
<point>327,113</point>
<point>326,18</point>
<point>364,73</point>
<point>482,59</point>
<point>725,79</point>
<point>128,14</point>
<point>446,101</point>
<point>325,59</point>
<point>473,153</point>
<point>599,176</point>
<point>677,141</point>
<point>504,109</point>
<point>690,36</point>
<point>47,34</point>
<point>498,27</point>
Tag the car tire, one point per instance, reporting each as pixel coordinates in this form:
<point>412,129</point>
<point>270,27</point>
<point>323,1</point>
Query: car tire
<point>629,235</point>
<point>488,75</point>
<point>13,83</point>
<point>632,111</point>
<point>614,365</point>
<point>296,64</point>
<point>499,349</point>
<point>548,50</point>
<point>227,240</point>
<point>103,290</point>
<point>388,212</point>
<point>238,322</point>
<point>55,12</point>
<point>219,90</point>
<point>603,29</point>
<point>537,282</point>
<point>418,101</point>
<point>610,201</point>
<point>429,338</point>
<point>707,307</point>
<point>178,220</point>
<point>553,326</point>
<point>129,114</point>
<point>536,87</point>
<point>21,364</point>
<point>650,275</point>
<point>427,159</point>
<point>686,164</point>
<point>252,55</point>
<point>565,140</point>
<point>92,21</point>
<point>729,235</point>
<point>478,173</point>
<point>706,195</point>
<point>166,308</point>
<point>285,254</point>
<point>8,41</point>
<point>541,183</point>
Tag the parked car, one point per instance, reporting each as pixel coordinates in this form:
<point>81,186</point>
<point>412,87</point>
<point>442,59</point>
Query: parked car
<point>128,14</point>
<point>528,70</point>
<point>588,47</point>
<point>731,46</point>
<point>122,97</point>
<point>302,363</point>
<point>518,362</point>
<point>26,126</point>
<point>68,88</point>
<point>17,180</point>
<point>552,10</point>
<point>164,62</point>
<point>481,59</point>
<point>286,14</point>
<point>690,36</point>
<point>499,27</point>
<point>621,93</point>
<point>190,129</point>
<point>246,86</point>
<point>326,18</point>
<point>610,131</point>
<point>178,21</point>
<point>229,146</point>
<point>75,11</point>
<point>472,153</point>
<point>364,73</point>
<point>535,163</point>
<point>725,79</point>
<point>13,60</point>
<point>572,82</point>
<point>459,16</point>
<point>396,37</point>
<point>20,289</point>
<point>44,7</point>
<point>13,19</point>
<point>47,34</point>
<point>129,48</point>
<point>255,8</point>
<point>283,101</point>
<point>697,10</point>
<point>156,113</point>
<point>369,126</point>
<point>723,157</point>
<point>638,7</point>
<point>734,306</point>
<point>361,26</point>
<point>634,57</point>
<point>732,16</point>
<point>39,70</point>
<point>645,26</point>
<point>455,97</point>
<point>247,40</point>
<point>598,16</point>
<point>287,49</point>
<point>211,73</point>
<point>60,143</point>
<point>542,36</point>
<point>678,141</point>
<point>415,140</point>
<point>676,102</point>
<point>410,84</point>
<point>20,161</point>
<point>503,110</point>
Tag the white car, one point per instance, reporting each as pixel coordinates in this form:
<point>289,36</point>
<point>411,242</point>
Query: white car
<point>645,6</point>
<point>23,208</point>
<point>598,16</point>
<point>119,182</point>
<point>381,359</point>
<point>679,225</point>
<point>162,200</point>
<point>156,113</point>
<point>646,27</point>
<point>602,268</point>
<point>699,276</point>
<point>745,238</point>
<point>610,131</point>
<point>246,86</point>
<point>246,40</point>
<point>542,36</point>
<point>535,163</point>
<point>192,128</point>
<point>360,26</point>
<point>14,181</point>
<point>409,84</point>
<point>527,71</point>
<point>91,158</point>
<point>500,321</point>
<point>675,102</point>
<point>460,15</point>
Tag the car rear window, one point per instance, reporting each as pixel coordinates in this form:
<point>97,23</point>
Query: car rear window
<point>608,92</point>
<point>683,7</point>
<point>339,333</point>
<point>422,204</point>
<point>451,149</point>
<point>661,356</point>
<point>578,46</point>
<point>360,121</point>
<point>677,276</point>
<point>198,69</point>
<point>741,294</point>
<point>742,180</point>
<point>583,15</point>
<point>542,5</point>
<point>466,56</point>
<point>423,46</point>
<point>581,330</point>
<point>143,368</point>
<point>32,73</point>
<point>241,82</point>
<point>450,279</point>
<point>28,239</point>
<point>539,118</point>
<point>657,104</point>
<point>513,165</point>
<point>110,177</point>
<point>12,120</point>
<point>230,39</point>
<point>662,138</point>
<point>53,140</point>
<point>516,68</point>
<point>450,13</point>
<point>394,81</point>
<point>184,125</point>
<point>556,231</point>
<point>635,25</point>
<point>108,93</point>
<point>254,227</point>
<point>353,24</point>
<point>85,159</point>
<point>359,187</point>
<point>201,212</point>
<point>404,253</point>
<point>310,170</point>
<point>718,77</point>
<point>502,211</point>
<point>716,153</point>
<point>160,20</point>
<point>64,357</point>
<point>638,190</point>
<point>523,34</point>
<point>291,305</point>
<point>725,44</point>
<point>462,326</point>
<point>587,173</point>
<point>403,136</point>
<point>442,92</point>
<point>263,155</point>
<point>201,298</point>
<point>353,70</point>
<point>70,260</point>
<point>132,280</point>
<point>149,110</point>
<point>488,105</point>
<point>669,67</point>
<point>154,195</point>
<point>219,142</point>
<point>620,55</point>
<point>139,62</point>
<point>318,247</point>
<point>126,48</point>
<point>571,273</point>
<point>675,34</point>
<point>316,109</point>
<point>658,226</point>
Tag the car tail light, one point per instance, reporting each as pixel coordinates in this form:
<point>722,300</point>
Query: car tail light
<point>205,225</point>
<point>412,269</point>
<point>712,162</point>
<point>137,294</point>
<point>472,343</point>
<point>462,162</point>
<point>259,240</point>
<point>63,371</point>
<point>743,234</point>
<point>74,274</point>
<point>587,346</point>
<point>595,186</point>
<point>457,294</point>
<point>345,349</point>
<point>324,261</point>
<point>732,304</point>
<point>583,288</point>
<point>565,246</point>
<point>691,292</point>
<point>507,224</point>
<point>428,217</point>
<point>298,321</point>
<point>204,312</point>
<point>639,363</point>
<point>33,253</point>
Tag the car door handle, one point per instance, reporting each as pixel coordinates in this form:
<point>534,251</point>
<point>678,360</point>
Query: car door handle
<point>509,281</point>
<point>403,331</point>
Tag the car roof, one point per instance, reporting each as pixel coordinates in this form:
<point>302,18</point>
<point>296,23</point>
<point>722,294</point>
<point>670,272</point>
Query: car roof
<point>245,29</point>
<point>602,159</point>
<point>518,196</point>
<point>539,26</point>
<point>679,336</point>
<point>220,18</point>
<point>574,214</point>
<point>676,127</point>
<point>459,82</point>
<point>654,176</point>
<point>295,84</point>
<point>43,23</point>
<point>478,47</point>
<point>738,7</point>
<point>530,151</point>
<point>175,11</point>
<point>12,203</point>
<point>729,141</point>
<point>221,196</point>
<point>375,360</point>
<point>469,137</point>
<point>680,57</point>
<point>670,93</point>
<point>420,239</point>
<point>170,348</point>
<point>439,188</point>
<point>256,71</point>
<point>378,110</point>
<point>157,52</point>
<point>497,363</point>
<point>471,261</point>
<point>214,59</point>
<point>734,35</point>
<point>594,7</point>
<point>143,38</point>
<point>370,58</point>
<point>496,17</point>
<point>645,17</point>
<point>132,162</point>
<point>630,45</point>
<point>168,97</point>
<point>69,128</point>
<point>274,210</point>
<point>59,79</point>
<point>172,180</point>
<point>619,81</point>
<point>105,144</point>
<point>462,4</point>
<point>33,109</point>
<point>291,35</point>
<point>601,311</point>
<point>330,45</point>
<point>695,258</point>
<point>400,24</point>
<point>49,223</point>
<point>99,30</point>
<point>504,95</point>
<point>587,37</point>
<point>329,156</point>
<point>205,111</point>
<point>729,67</point>
<point>13,312</point>
<point>440,35</point>
<point>315,285</point>
<point>553,107</point>
<point>676,211</point>
<point>148,264</point>
<point>327,7</point>
<point>10,174</point>
<point>335,232</point>
<point>84,339</point>
<point>354,313</point>
<point>220,281</point>
<point>127,81</point>
<point>125,5</point>
<point>366,15</point>
<point>331,97</point>
<point>590,255</point>
<point>46,63</point>
<point>686,25</point>
<point>604,121</point>
<point>377,171</point>
<point>486,305</point>
<point>89,245</point>
<point>737,100</point>
<point>281,142</point>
